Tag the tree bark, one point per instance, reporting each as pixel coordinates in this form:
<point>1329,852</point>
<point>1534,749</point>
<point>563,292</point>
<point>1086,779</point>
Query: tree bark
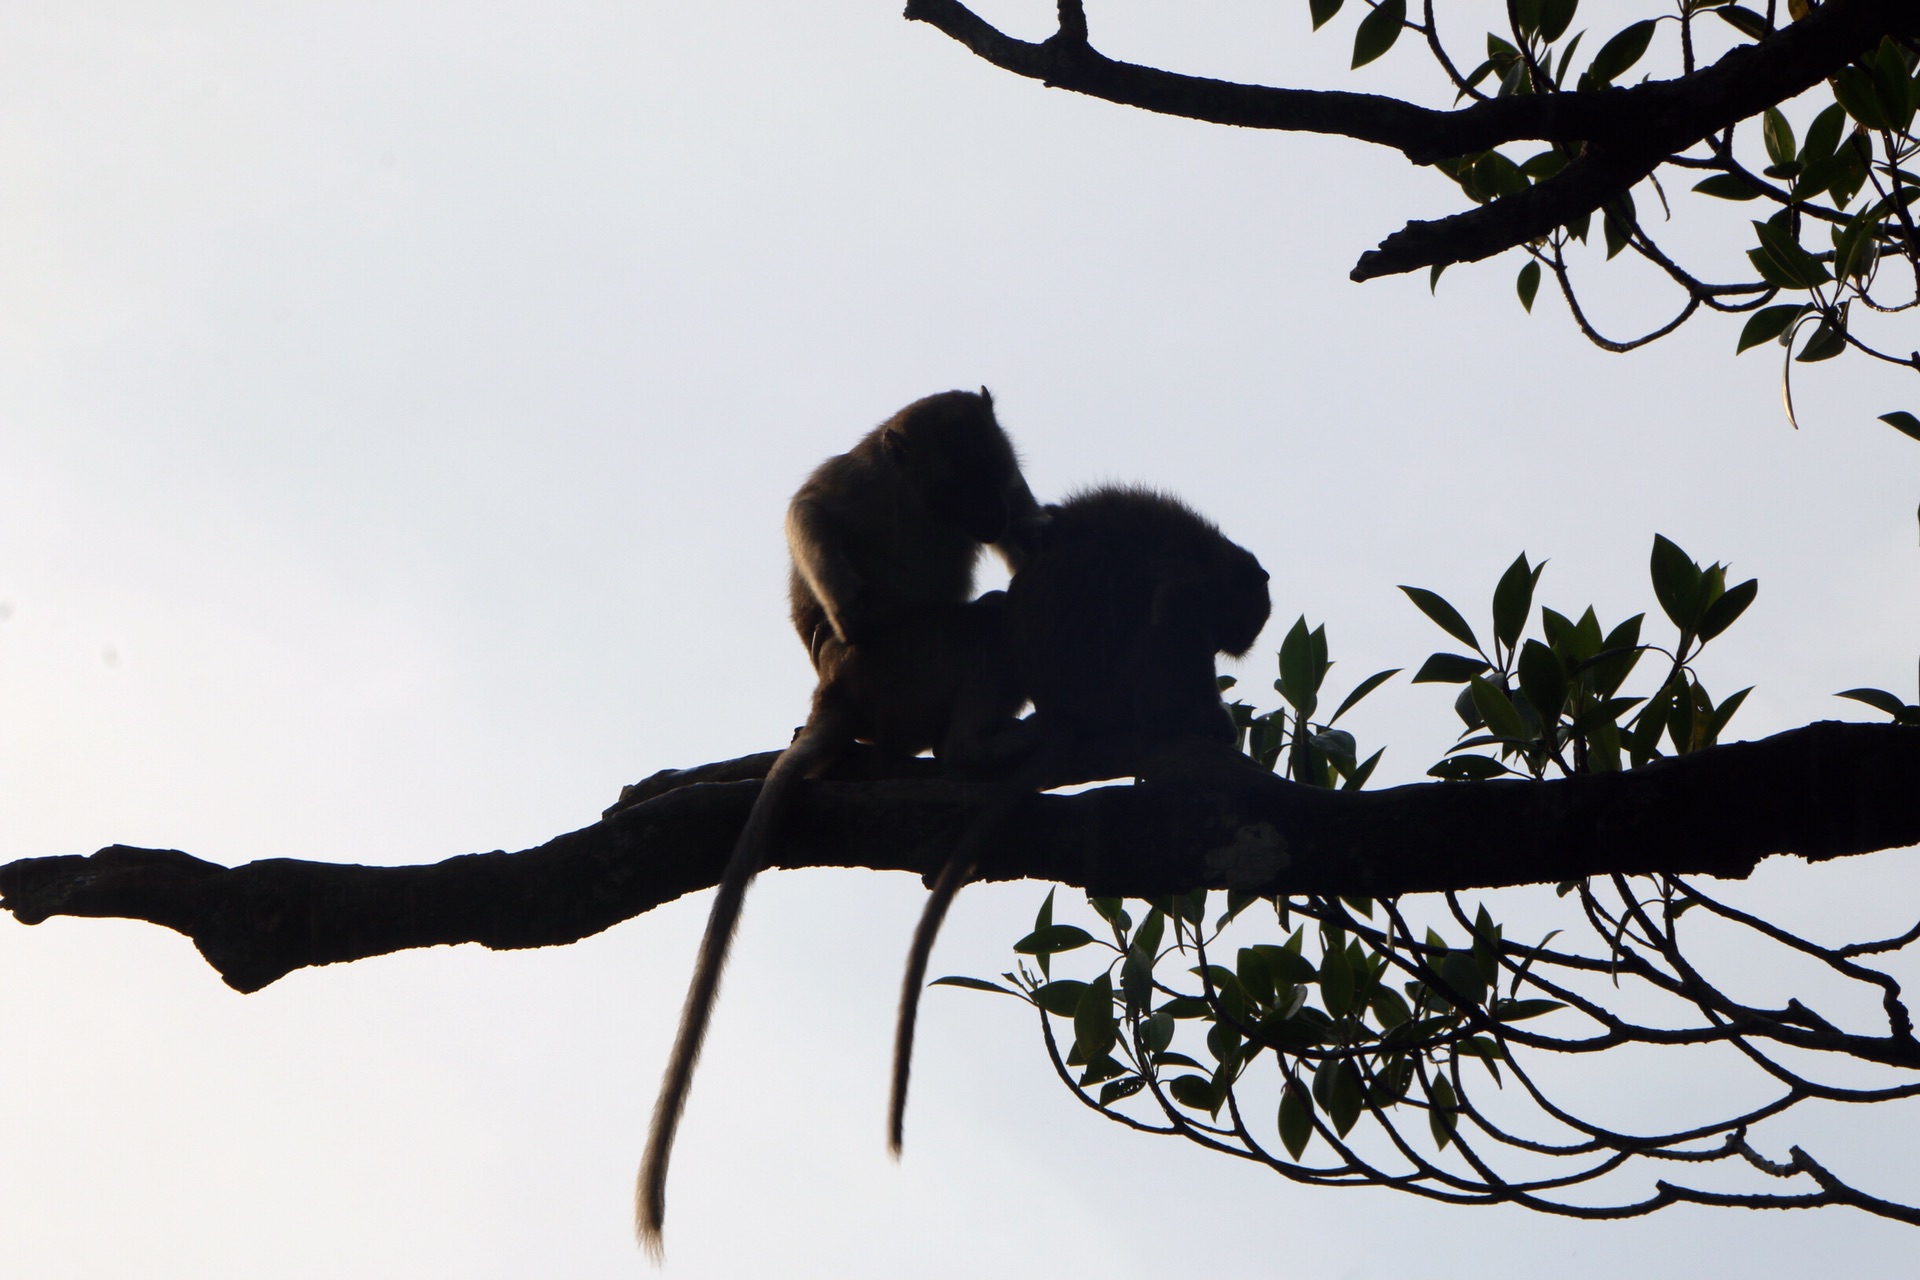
<point>1822,791</point>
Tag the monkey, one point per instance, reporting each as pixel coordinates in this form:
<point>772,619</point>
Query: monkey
<point>1114,622</point>
<point>883,540</point>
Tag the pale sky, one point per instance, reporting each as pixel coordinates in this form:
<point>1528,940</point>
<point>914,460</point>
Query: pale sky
<point>397,409</point>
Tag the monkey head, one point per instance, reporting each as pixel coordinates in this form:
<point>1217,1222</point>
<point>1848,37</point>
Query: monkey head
<point>952,449</point>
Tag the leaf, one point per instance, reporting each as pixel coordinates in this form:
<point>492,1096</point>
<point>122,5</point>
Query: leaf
<point>1823,135</point>
<point>1296,1118</point>
<point>1519,1010</point>
<point>1722,612</point>
<point>1449,668</point>
<point>1827,342</point>
<point>1727,186</point>
<point>1555,17</point>
<point>1323,11</point>
<point>1900,420</point>
<point>1114,1090</point>
<point>1745,21</point>
<point>1513,600</point>
<point>1445,615</point>
<point>1675,578</point>
<point>1468,769</point>
<point>1617,56</point>
<point>1364,688</point>
<point>1878,699</point>
<point>1336,982</point>
<point>1441,1105</point>
<point>1060,998</point>
<point>1195,1092</point>
<point>1853,86</point>
<point>1054,938</point>
<point>972,984</point>
<point>1497,709</point>
<point>1767,323</point>
<point>1093,1020</point>
<point>1378,30</point>
<point>1299,681</point>
<point>1543,680</point>
<point>1157,1031</point>
<point>1345,1096</point>
<point>1528,284</point>
<point>1778,135</point>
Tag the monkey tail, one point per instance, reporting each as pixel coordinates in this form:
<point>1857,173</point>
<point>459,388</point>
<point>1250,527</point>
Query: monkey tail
<point>810,753</point>
<point>954,876</point>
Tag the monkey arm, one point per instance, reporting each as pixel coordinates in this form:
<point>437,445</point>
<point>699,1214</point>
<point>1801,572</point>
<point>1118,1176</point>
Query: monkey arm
<point>818,548</point>
<point>1821,791</point>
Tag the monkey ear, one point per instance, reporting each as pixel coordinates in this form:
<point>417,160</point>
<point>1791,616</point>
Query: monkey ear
<point>893,444</point>
<point>987,396</point>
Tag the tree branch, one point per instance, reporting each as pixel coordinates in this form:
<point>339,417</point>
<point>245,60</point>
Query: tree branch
<point>1822,791</point>
<point>1624,132</point>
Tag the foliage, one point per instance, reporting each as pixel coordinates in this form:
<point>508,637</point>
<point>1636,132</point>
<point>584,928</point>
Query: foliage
<point>1351,1043</point>
<point>1839,239</point>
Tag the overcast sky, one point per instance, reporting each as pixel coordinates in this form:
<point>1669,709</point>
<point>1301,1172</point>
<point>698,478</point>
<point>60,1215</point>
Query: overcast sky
<point>398,405</point>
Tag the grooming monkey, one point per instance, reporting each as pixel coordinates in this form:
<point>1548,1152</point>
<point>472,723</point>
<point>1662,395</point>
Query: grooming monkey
<point>1113,624</point>
<point>883,539</point>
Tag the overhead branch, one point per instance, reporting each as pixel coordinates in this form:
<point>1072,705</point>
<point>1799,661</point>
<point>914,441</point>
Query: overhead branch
<point>1822,791</point>
<point>1621,133</point>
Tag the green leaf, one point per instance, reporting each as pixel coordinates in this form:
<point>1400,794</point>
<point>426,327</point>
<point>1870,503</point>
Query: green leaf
<point>1468,769</point>
<point>1364,688</point>
<point>1114,1090</point>
<point>1093,1020</point>
<point>1528,284</point>
<point>1449,668</point>
<point>1346,1096</point>
<point>1187,1007</point>
<point>1617,222</point>
<point>1617,56</point>
<point>1779,136</point>
<point>1336,982</point>
<point>1299,678</point>
<point>1727,186</point>
<point>1323,11</point>
<point>1441,1105</point>
<point>1157,1031</point>
<point>1296,1118</point>
<point>1555,17</point>
<point>1722,612</point>
<point>1675,578</point>
<point>1853,86</point>
<point>1543,680</point>
<point>1892,86</point>
<point>1378,30</point>
<point>1445,615</point>
<point>1054,938</point>
<point>1827,342</point>
<point>1878,699</point>
<point>1721,715</point>
<point>1513,600</point>
<point>1196,1092</point>
<point>1900,420</point>
<point>1767,324</point>
<point>1788,261</point>
<point>1519,1010</point>
<point>1502,717</point>
<point>1460,971</point>
<point>1745,21</point>
<point>972,984</point>
<point>1823,135</point>
<point>1060,998</point>
<point>1433,277</point>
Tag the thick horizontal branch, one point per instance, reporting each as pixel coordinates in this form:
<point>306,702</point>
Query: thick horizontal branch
<point>1822,791</point>
<point>1628,131</point>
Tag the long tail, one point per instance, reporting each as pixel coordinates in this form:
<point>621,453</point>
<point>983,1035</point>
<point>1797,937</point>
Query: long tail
<point>807,755</point>
<point>953,877</point>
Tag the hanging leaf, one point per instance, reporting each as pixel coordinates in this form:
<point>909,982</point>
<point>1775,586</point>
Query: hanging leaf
<point>1528,284</point>
<point>1378,30</point>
